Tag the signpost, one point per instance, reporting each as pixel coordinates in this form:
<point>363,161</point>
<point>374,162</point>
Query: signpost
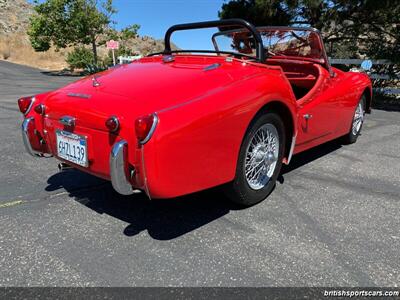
<point>112,45</point>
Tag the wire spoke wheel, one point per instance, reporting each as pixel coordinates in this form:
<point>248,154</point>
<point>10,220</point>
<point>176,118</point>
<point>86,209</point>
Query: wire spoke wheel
<point>259,160</point>
<point>261,156</point>
<point>358,118</point>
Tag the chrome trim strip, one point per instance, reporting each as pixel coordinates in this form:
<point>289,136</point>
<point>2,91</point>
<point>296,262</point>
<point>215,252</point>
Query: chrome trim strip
<point>25,137</point>
<point>67,121</point>
<point>291,149</point>
<point>79,95</point>
<point>212,67</point>
<point>152,129</point>
<point>30,106</point>
<point>118,165</point>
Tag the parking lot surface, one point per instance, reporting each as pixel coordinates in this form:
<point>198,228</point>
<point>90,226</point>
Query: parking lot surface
<point>332,220</point>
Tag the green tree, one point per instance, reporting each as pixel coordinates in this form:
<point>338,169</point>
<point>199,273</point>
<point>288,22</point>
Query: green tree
<point>349,27</point>
<point>130,32</point>
<point>267,12</point>
<point>64,23</point>
<point>374,26</point>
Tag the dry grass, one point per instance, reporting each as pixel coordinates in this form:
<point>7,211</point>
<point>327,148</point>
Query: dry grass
<point>14,42</point>
<point>17,48</point>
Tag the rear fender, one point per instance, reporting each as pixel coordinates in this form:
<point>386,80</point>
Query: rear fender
<point>196,145</point>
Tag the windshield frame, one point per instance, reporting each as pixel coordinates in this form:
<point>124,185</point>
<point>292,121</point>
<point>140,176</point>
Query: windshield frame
<point>325,61</point>
<point>260,53</point>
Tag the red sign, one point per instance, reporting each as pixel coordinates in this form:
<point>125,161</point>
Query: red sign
<point>112,44</point>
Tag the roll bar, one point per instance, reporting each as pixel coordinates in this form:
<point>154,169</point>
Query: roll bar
<point>260,54</point>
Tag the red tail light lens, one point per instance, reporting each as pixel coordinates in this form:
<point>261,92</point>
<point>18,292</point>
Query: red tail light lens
<point>144,127</point>
<point>112,124</point>
<point>25,104</point>
<point>39,109</point>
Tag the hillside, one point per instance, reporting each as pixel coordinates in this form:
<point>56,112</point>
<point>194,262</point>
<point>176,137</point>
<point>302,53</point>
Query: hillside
<point>14,42</point>
<point>15,45</point>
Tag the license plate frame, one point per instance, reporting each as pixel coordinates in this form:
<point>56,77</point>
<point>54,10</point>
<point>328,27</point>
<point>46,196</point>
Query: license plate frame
<point>72,147</point>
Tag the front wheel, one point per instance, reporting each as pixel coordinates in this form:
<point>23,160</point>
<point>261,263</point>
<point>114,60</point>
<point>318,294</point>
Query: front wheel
<point>260,160</point>
<point>357,122</point>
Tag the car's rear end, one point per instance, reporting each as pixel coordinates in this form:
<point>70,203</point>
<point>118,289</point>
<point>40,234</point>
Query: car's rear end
<point>92,138</point>
<point>101,124</point>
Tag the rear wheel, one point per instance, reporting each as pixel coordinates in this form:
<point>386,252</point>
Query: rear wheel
<point>260,160</point>
<point>356,125</point>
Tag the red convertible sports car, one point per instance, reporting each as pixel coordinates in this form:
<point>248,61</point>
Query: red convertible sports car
<point>181,121</point>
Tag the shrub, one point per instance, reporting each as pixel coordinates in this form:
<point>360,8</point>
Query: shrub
<point>80,58</point>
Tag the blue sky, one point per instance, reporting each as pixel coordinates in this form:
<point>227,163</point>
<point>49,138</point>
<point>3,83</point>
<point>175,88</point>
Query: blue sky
<point>155,16</point>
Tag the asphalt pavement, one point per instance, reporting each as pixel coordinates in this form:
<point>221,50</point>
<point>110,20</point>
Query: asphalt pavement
<point>332,220</point>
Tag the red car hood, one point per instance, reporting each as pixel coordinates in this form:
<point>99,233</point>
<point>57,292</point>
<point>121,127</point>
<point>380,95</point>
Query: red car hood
<point>143,87</point>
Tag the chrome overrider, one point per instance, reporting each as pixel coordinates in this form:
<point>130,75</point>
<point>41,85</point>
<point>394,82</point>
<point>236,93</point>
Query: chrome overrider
<point>25,138</point>
<point>118,172</point>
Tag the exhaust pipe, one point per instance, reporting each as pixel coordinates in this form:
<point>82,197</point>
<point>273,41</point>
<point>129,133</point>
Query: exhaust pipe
<point>64,167</point>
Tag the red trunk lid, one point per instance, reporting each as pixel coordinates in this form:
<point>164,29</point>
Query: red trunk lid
<point>142,87</point>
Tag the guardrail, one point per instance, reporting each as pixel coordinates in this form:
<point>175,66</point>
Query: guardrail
<point>128,59</point>
<point>350,61</point>
<point>374,76</point>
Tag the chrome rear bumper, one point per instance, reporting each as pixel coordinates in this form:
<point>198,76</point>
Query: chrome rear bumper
<point>118,168</point>
<point>118,159</point>
<point>28,122</point>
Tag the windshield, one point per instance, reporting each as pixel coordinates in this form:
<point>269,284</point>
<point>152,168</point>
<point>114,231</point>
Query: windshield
<point>218,25</point>
<point>278,42</point>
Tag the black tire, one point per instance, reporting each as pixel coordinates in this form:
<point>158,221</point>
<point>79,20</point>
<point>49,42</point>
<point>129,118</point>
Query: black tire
<point>352,136</point>
<point>239,190</point>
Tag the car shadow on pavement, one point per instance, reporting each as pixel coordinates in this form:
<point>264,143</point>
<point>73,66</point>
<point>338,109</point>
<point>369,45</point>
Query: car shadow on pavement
<point>62,73</point>
<point>310,155</point>
<point>164,219</point>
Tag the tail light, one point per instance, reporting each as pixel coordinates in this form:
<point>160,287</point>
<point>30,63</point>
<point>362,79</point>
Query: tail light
<point>112,124</point>
<point>25,104</point>
<point>39,109</point>
<point>144,127</point>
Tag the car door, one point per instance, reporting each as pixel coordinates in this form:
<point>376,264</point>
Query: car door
<point>318,113</point>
